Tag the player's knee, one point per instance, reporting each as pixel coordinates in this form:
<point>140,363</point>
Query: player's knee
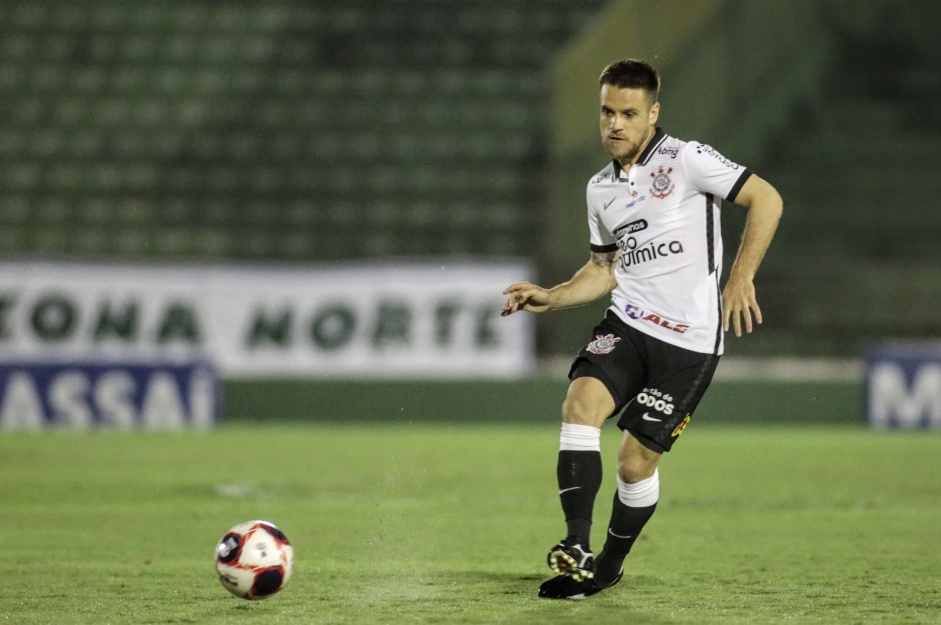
<point>636,462</point>
<point>632,472</point>
<point>579,410</point>
<point>587,402</point>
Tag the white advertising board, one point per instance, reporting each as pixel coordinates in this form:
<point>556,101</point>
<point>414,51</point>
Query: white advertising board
<point>379,319</point>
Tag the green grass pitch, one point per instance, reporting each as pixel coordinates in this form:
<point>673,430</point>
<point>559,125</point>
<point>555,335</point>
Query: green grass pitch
<point>429,523</point>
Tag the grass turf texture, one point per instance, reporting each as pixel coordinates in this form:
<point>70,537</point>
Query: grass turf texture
<point>450,524</point>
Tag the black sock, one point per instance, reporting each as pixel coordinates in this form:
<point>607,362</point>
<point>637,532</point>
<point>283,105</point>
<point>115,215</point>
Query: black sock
<point>579,474</point>
<point>626,525</point>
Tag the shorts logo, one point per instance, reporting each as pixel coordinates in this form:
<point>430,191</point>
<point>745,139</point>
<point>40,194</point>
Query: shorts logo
<point>603,344</point>
<point>662,185</point>
<point>653,398</point>
<point>682,426</point>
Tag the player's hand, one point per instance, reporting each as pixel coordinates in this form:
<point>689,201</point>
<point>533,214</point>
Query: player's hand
<point>525,296</point>
<point>739,304</point>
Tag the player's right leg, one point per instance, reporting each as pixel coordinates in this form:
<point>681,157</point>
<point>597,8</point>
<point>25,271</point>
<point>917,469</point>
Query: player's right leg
<point>587,405</point>
<point>604,375</point>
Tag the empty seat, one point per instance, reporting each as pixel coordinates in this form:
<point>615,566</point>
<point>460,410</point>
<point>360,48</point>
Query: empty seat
<point>271,130</point>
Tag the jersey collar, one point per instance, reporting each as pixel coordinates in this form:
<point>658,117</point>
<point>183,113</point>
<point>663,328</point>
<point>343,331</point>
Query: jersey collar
<point>655,141</point>
<point>658,137</point>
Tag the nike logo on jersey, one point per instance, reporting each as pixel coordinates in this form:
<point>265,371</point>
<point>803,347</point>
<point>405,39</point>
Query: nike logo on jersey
<point>565,490</point>
<point>646,417</point>
<point>609,203</point>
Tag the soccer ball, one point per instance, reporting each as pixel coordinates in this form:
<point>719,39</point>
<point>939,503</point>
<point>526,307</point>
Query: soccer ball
<point>254,560</point>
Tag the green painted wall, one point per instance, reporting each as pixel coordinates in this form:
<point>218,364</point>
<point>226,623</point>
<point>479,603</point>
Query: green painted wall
<point>533,400</point>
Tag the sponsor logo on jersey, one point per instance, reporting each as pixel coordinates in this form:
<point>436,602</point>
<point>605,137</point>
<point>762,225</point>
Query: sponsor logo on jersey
<point>708,149</point>
<point>631,228</point>
<point>632,253</point>
<point>602,176</point>
<point>633,202</point>
<point>672,152</point>
<point>635,312</point>
<point>662,184</point>
<point>682,426</point>
<point>603,344</point>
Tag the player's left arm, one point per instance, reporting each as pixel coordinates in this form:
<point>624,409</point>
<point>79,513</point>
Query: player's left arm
<point>764,204</point>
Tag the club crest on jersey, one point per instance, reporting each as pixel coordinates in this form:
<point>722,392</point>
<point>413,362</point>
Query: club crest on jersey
<point>662,184</point>
<point>603,344</point>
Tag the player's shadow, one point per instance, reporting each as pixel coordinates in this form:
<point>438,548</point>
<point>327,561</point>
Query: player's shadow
<point>525,584</point>
<point>517,594</point>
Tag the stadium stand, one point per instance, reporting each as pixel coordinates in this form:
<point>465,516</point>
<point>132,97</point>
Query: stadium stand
<point>856,259</point>
<point>285,131</point>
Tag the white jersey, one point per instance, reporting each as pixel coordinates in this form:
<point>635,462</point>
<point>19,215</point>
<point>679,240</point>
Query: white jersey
<point>663,216</point>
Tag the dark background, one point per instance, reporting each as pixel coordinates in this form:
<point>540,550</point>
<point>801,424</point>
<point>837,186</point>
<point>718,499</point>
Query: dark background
<point>317,132</point>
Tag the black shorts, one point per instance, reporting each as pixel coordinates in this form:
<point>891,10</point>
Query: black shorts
<point>657,385</point>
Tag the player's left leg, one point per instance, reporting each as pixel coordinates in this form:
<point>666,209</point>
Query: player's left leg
<point>638,485</point>
<point>634,503</point>
<point>651,424</point>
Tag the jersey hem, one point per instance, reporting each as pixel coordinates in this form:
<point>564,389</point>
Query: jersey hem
<point>645,329</point>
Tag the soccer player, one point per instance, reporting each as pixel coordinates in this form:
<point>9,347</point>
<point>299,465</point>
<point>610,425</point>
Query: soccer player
<point>653,219</point>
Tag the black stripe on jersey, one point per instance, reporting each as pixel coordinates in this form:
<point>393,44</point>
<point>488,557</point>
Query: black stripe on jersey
<point>738,185</point>
<point>711,252</point>
<point>715,347</point>
<point>711,231</point>
<point>658,137</point>
<point>604,249</point>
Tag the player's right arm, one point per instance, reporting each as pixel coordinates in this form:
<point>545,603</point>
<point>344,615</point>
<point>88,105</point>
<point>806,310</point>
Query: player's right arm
<point>595,279</point>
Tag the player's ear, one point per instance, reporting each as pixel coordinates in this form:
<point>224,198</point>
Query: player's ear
<point>654,113</point>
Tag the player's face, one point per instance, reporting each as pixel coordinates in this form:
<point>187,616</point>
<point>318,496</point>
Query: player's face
<point>627,121</point>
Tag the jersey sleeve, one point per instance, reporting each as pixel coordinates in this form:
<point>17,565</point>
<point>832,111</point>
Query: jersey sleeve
<point>598,236</point>
<point>710,172</point>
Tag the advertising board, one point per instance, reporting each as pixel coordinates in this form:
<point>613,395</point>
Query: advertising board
<point>119,395</point>
<point>378,319</point>
<point>903,386</point>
